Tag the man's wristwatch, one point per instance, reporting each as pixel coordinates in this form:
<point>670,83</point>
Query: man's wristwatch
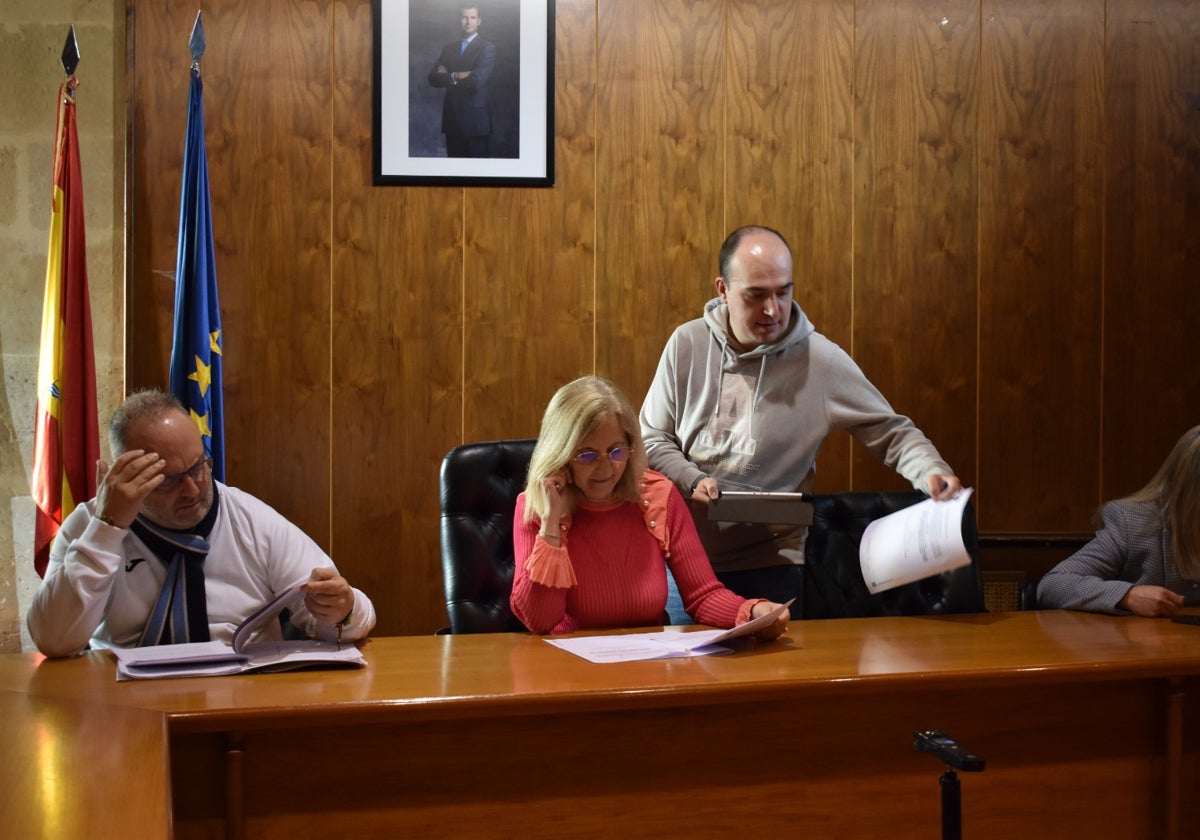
<point>699,478</point>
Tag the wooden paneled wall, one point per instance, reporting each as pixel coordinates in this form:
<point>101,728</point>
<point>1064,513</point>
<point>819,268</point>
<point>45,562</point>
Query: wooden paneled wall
<point>995,206</point>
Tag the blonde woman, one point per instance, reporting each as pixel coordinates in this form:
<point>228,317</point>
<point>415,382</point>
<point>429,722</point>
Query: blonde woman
<point>1145,559</point>
<point>595,530</point>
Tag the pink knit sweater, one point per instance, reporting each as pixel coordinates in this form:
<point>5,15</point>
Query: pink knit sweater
<point>617,565</point>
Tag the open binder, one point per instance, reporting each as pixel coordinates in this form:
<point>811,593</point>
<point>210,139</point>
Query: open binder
<point>242,655</point>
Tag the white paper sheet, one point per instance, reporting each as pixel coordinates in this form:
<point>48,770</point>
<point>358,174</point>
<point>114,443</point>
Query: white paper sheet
<point>661,644</point>
<point>914,543</point>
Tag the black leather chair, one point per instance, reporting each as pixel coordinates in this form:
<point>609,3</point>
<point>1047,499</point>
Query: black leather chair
<point>834,585</point>
<point>479,485</point>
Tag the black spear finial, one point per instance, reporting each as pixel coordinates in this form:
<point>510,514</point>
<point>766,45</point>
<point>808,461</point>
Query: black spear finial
<point>70,53</point>
<point>196,42</point>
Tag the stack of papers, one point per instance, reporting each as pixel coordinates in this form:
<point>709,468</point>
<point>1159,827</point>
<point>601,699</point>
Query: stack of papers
<point>208,659</point>
<point>661,644</point>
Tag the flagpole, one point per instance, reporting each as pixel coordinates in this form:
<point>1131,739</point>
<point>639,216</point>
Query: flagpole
<point>197,341</point>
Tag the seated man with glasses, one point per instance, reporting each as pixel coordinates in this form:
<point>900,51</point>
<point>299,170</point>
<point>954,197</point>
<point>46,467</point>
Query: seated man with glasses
<point>595,531</point>
<point>165,554</point>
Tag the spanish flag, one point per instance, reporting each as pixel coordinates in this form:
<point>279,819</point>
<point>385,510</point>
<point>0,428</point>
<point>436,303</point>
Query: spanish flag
<point>66,434</point>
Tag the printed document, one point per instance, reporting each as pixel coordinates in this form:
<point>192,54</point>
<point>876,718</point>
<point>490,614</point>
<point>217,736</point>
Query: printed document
<point>662,644</point>
<point>914,543</point>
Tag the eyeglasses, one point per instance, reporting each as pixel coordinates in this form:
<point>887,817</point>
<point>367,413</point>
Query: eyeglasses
<point>195,472</point>
<point>590,456</point>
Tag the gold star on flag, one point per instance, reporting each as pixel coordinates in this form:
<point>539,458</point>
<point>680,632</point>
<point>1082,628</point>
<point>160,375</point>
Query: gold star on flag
<point>202,376</point>
<point>214,342</point>
<point>201,421</point>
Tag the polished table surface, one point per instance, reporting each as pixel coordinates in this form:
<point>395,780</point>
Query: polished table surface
<point>76,724</point>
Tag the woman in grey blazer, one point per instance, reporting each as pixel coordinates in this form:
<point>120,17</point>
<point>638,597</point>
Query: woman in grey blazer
<point>1145,559</point>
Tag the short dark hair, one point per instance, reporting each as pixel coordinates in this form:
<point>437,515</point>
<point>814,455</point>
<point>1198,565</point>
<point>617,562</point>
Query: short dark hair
<point>734,239</point>
<point>149,404</point>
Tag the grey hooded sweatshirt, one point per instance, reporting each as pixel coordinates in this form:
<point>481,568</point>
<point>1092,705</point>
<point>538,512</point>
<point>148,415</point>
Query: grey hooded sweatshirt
<point>755,420</point>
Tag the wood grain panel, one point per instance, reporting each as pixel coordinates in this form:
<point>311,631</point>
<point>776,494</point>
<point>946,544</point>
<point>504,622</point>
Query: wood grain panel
<point>659,158</point>
<point>396,355</point>
<point>529,324</point>
<point>915,225</point>
<point>266,134</point>
<point>368,329</point>
<point>841,753</point>
<point>1041,188</point>
<point>267,121</point>
<point>790,158</point>
<point>157,88</point>
<point>69,748</point>
<point>1152,254</point>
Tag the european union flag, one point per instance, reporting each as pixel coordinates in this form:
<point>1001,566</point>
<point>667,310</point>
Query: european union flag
<point>196,344</point>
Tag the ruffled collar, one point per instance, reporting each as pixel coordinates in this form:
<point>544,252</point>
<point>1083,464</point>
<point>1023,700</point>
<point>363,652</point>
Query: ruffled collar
<point>653,493</point>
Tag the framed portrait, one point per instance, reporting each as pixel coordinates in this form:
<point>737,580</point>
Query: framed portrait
<point>464,93</point>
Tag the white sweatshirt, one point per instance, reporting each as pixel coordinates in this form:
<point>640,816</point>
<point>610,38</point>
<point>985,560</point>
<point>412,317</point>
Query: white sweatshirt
<point>102,582</point>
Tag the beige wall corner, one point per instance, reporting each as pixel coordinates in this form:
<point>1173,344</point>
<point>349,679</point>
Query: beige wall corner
<point>31,42</point>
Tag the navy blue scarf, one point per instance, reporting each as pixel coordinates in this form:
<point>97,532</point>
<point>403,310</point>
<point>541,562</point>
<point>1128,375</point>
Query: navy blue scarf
<point>181,612</point>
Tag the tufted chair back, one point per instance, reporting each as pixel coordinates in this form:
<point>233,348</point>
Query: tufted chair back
<point>834,585</point>
<point>479,485</point>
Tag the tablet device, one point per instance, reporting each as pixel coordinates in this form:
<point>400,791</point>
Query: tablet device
<point>781,508</point>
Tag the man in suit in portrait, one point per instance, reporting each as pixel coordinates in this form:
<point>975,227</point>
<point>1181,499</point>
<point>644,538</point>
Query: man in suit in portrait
<point>464,69</point>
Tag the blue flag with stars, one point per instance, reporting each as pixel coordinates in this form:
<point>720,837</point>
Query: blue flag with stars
<point>196,343</point>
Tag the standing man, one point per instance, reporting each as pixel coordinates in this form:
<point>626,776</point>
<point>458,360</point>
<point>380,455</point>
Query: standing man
<point>464,69</point>
<point>743,399</point>
<point>166,554</point>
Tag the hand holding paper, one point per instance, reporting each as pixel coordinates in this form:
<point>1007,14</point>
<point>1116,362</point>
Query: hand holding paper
<point>328,596</point>
<point>666,644</point>
<point>767,610</point>
<point>914,543</point>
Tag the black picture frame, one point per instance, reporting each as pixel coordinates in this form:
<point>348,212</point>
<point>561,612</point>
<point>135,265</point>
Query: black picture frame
<point>513,54</point>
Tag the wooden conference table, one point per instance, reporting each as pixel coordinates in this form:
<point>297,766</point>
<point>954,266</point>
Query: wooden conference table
<point>1081,719</point>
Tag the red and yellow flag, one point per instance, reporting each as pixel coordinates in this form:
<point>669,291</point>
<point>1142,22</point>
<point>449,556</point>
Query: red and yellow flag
<point>66,433</point>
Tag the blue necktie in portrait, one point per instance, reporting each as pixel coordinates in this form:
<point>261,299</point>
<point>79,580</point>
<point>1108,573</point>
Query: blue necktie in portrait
<point>463,48</point>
